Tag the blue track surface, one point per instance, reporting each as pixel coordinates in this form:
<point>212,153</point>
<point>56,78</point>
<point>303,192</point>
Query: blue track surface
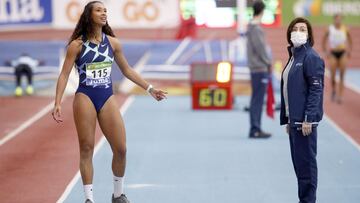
<point>178,155</point>
<point>353,76</point>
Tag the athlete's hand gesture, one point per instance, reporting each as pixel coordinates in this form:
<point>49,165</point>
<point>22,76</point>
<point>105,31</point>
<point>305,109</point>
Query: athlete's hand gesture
<point>56,114</point>
<point>157,94</point>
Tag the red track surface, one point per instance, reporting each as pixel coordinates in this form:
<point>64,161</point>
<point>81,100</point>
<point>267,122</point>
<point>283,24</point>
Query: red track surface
<point>15,111</point>
<point>347,114</point>
<point>38,163</point>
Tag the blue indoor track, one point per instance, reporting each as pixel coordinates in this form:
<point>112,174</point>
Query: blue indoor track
<point>178,155</point>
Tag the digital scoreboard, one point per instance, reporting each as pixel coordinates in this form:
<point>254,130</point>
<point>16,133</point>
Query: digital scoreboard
<point>211,85</point>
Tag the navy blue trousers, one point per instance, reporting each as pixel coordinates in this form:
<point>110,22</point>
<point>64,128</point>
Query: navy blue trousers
<point>259,83</point>
<point>23,69</point>
<point>303,155</point>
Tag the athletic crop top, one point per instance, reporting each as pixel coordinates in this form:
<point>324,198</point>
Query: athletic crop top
<point>337,37</point>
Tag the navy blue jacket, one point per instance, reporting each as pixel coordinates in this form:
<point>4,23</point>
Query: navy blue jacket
<point>305,87</point>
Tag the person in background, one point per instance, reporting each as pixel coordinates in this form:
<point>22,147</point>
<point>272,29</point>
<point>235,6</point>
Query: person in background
<point>259,63</point>
<point>24,65</point>
<point>302,90</point>
<point>337,45</point>
<point>187,28</point>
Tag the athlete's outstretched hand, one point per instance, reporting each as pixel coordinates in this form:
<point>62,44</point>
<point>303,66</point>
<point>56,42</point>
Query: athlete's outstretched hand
<point>56,114</point>
<point>158,94</point>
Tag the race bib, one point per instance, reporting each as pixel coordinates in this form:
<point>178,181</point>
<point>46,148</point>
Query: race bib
<point>98,73</point>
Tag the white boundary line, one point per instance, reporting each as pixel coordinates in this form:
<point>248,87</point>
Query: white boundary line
<point>346,84</point>
<point>336,126</point>
<point>187,55</point>
<point>341,131</point>
<point>36,117</point>
<point>27,123</point>
<point>207,49</point>
<point>352,87</point>
<point>231,50</point>
<point>184,43</point>
<point>101,142</point>
<point>224,54</point>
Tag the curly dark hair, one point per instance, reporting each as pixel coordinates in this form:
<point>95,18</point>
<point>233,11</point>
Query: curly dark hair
<point>84,26</point>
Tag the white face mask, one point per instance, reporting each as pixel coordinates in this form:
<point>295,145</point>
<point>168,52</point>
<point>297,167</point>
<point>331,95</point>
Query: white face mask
<point>298,38</point>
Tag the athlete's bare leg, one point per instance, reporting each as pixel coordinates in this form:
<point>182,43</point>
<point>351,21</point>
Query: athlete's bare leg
<point>112,125</point>
<point>85,121</point>
<point>342,68</point>
<point>333,66</point>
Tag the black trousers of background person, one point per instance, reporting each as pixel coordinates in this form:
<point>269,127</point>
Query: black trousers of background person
<point>259,81</point>
<point>303,155</point>
<point>23,69</point>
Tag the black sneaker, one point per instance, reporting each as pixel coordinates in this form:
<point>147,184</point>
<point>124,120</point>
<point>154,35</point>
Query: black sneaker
<point>260,134</point>
<point>121,199</point>
<point>88,201</point>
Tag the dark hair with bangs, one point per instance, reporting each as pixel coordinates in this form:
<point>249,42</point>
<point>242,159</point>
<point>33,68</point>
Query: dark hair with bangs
<point>309,28</point>
<point>85,24</point>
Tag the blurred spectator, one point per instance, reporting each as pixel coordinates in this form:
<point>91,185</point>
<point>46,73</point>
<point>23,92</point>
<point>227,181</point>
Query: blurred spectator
<point>187,28</point>
<point>259,63</point>
<point>337,45</point>
<point>24,65</point>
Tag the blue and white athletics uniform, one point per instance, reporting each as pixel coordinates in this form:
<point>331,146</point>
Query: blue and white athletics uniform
<point>94,67</point>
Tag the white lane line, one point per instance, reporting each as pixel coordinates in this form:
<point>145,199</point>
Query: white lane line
<point>184,43</point>
<point>207,49</point>
<point>352,87</point>
<point>224,54</point>
<point>346,83</point>
<point>27,123</point>
<point>231,50</point>
<point>72,183</point>
<point>342,132</point>
<point>74,180</point>
<point>186,56</point>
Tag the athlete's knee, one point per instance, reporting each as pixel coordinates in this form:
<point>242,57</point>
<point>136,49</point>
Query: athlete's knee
<point>341,76</point>
<point>120,152</point>
<point>86,150</point>
<point>333,81</point>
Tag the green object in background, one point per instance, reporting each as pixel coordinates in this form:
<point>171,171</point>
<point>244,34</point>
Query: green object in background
<point>321,12</point>
<point>187,8</point>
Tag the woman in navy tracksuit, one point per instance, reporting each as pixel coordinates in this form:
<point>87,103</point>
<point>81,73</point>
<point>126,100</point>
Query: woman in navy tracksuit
<point>302,87</point>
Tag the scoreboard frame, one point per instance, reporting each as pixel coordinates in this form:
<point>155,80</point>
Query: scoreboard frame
<point>210,94</point>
